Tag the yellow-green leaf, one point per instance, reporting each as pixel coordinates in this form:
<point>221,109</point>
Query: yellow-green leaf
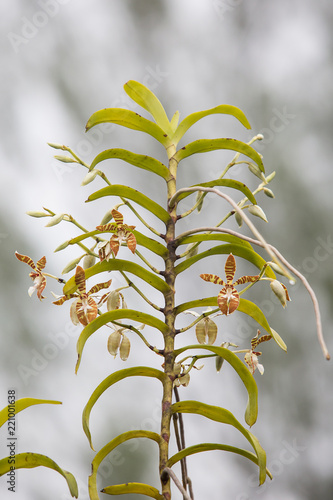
<point>129,119</point>
<point>206,145</point>
<point>147,100</point>
<point>119,265</point>
<point>198,448</point>
<point>137,371</point>
<point>230,183</point>
<point>226,417</point>
<point>31,460</point>
<point>194,117</point>
<point>134,195</point>
<point>142,161</point>
<point>99,457</point>
<point>243,372</point>
<point>21,404</point>
<point>139,488</point>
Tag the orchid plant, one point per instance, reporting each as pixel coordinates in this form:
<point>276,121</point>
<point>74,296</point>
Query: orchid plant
<point>101,255</point>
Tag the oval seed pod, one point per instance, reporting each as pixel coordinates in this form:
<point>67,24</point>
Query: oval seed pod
<point>279,291</point>
<point>254,169</point>
<point>200,331</point>
<point>114,343</point>
<point>125,348</point>
<point>113,301</point>
<point>199,198</point>
<point>211,330</point>
<point>258,212</point>
<point>88,261</point>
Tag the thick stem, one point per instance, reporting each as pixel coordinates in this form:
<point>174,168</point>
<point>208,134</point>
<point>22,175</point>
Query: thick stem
<point>169,337</point>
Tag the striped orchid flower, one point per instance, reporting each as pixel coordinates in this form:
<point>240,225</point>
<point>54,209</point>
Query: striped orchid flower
<point>228,298</point>
<point>84,309</point>
<point>122,233</point>
<point>251,357</point>
<point>36,275</point>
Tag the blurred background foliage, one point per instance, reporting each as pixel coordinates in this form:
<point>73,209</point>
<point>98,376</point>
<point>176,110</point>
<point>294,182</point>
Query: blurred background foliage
<point>61,61</point>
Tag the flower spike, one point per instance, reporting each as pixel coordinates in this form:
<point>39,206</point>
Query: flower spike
<point>228,298</point>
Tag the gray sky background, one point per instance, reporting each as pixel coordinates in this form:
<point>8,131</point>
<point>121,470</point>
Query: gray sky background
<point>63,60</point>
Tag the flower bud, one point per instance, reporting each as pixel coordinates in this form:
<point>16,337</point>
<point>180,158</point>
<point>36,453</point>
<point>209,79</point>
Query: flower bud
<point>88,261</point>
<point>125,347</point>
<point>200,198</point>
<point>258,212</point>
<point>239,219</point>
<point>65,159</point>
<point>269,193</point>
<point>254,169</point>
<point>107,217</point>
<point>62,246</point>
<point>280,291</point>
<point>56,146</point>
<point>218,363</point>
<point>89,177</point>
<point>71,265</point>
<point>270,177</point>
<point>114,343</point>
<point>37,213</point>
<point>55,220</point>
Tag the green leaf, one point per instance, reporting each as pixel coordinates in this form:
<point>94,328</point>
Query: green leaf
<point>248,380</point>
<point>119,265</point>
<point>116,315</point>
<point>205,145</point>
<point>139,488</point>
<point>142,161</point>
<point>198,448</point>
<point>194,117</point>
<point>141,239</point>
<point>21,404</point>
<point>31,460</point>
<point>147,100</point>
<point>251,309</point>
<point>230,183</point>
<point>236,249</point>
<point>129,119</point>
<point>137,371</point>
<point>134,195</point>
<point>206,302</point>
<point>226,417</point>
<point>99,457</point>
<point>174,123</point>
<point>230,238</point>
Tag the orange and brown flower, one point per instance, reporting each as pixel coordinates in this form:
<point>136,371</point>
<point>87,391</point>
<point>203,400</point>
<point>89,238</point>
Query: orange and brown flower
<point>228,298</point>
<point>36,275</point>
<point>84,309</point>
<point>251,357</point>
<point>122,233</point>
